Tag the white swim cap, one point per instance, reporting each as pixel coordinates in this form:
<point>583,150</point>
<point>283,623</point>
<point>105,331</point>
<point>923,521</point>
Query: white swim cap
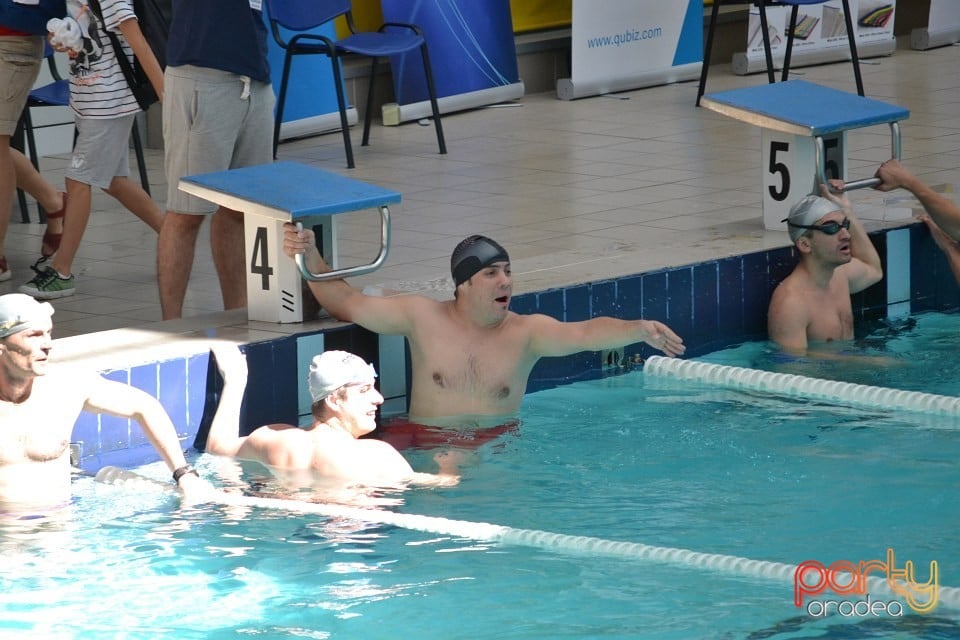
<point>334,369</point>
<point>18,312</point>
<point>806,212</point>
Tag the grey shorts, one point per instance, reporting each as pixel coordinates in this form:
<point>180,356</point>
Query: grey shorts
<point>209,125</point>
<point>102,151</point>
<point>20,58</point>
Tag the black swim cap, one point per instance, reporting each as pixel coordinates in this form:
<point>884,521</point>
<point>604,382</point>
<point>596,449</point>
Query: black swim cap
<point>473,254</point>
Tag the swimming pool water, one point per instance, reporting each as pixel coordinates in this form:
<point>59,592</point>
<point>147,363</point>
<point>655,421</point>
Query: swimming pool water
<point>625,458</point>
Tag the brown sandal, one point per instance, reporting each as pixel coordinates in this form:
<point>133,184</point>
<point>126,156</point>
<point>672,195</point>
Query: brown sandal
<point>51,240</point>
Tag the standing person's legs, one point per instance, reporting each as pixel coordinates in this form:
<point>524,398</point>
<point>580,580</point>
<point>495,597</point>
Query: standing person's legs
<point>46,195</point>
<point>134,199</point>
<point>176,245</point>
<point>20,59</point>
<point>204,113</point>
<point>100,154</point>
<point>226,235</point>
<point>254,146</point>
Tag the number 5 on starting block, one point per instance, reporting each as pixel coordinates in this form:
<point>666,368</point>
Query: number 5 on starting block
<point>790,170</point>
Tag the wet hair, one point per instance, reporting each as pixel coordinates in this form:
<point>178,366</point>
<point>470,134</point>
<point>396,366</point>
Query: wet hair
<point>472,255</point>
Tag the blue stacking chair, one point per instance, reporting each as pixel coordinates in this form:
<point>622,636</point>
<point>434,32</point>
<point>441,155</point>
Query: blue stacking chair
<point>392,39</point>
<point>762,6</point>
<point>57,94</point>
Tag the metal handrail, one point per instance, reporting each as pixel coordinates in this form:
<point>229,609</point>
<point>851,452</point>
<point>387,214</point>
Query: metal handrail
<point>821,156</point>
<point>358,270</point>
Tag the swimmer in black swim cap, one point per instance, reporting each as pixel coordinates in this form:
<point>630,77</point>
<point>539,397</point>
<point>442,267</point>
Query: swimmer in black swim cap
<point>472,255</point>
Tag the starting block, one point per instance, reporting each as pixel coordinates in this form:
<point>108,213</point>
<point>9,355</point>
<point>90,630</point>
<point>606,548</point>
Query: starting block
<point>270,195</point>
<point>804,136</point>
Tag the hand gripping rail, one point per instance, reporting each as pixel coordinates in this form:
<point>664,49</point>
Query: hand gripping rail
<point>358,270</point>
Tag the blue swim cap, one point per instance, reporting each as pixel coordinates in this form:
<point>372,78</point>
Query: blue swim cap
<point>472,254</point>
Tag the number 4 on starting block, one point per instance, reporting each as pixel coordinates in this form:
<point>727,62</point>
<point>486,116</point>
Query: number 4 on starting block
<point>272,194</point>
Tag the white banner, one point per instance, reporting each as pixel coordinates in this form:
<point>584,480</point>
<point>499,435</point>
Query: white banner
<point>820,35</point>
<point>627,44</point>
<point>943,26</point>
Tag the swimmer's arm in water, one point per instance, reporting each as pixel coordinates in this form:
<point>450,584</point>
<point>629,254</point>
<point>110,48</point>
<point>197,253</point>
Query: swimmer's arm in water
<point>381,315</point>
<point>115,398</point>
<point>394,467</point>
<point>551,337</point>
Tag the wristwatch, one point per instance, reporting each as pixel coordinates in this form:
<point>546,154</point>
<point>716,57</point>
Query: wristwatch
<point>179,472</point>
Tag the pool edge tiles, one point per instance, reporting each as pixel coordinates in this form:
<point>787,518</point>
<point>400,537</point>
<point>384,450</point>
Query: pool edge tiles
<point>713,305</point>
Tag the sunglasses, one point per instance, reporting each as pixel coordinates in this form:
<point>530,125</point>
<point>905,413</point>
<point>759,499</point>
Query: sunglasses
<point>830,228</point>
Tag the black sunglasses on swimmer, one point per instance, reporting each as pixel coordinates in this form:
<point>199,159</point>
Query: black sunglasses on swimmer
<point>830,228</point>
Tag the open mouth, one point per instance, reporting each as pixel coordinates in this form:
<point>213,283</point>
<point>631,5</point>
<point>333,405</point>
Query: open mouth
<point>503,299</point>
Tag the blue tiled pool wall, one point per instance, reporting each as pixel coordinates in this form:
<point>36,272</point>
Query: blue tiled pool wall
<point>712,305</point>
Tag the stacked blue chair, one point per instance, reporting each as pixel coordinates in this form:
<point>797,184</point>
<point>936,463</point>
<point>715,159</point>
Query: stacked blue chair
<point>392,39</point>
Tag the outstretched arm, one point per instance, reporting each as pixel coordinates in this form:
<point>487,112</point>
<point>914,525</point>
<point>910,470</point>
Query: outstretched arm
<point>224,436</point>
<point>943,211</point>
<point>551,337</point>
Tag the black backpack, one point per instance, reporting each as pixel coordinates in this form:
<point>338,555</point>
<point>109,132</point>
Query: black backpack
<point>154,18</point>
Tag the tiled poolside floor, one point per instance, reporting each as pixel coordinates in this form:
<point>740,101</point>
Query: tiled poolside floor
<point>577,191</point>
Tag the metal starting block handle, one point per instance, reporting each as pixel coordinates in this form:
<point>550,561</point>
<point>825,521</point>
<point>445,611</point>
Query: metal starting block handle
<point>821,156</point>
<point>358,270</point>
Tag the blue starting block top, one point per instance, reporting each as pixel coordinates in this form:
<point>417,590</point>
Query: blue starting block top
<point>288,191</point>
<point>802,108</point>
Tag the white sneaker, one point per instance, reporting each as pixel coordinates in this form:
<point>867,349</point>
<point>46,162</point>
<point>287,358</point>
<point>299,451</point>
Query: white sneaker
<point>5,273</point>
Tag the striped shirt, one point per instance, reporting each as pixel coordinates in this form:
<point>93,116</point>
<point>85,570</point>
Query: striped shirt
<point>98,88</point>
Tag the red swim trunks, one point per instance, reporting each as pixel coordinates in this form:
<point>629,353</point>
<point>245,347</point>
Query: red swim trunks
<point>403,434</point>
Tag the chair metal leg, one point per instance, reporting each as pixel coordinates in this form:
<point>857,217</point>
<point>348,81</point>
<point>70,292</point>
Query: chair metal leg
<point>766,40</point>
<point>138,152</point>
<point>431,89</point>
<point>342,103</point>
<point>368,112</point>
<point>708,49</point>
<point>281,101</point>
<point>852,39</point>
<point>789,51</point>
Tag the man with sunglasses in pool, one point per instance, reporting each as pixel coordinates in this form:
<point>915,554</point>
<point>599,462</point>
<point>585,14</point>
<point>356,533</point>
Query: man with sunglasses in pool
<point>330,451</point>
<point>39,404</point>
<point>837,259</point>
<point>471,356</point>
